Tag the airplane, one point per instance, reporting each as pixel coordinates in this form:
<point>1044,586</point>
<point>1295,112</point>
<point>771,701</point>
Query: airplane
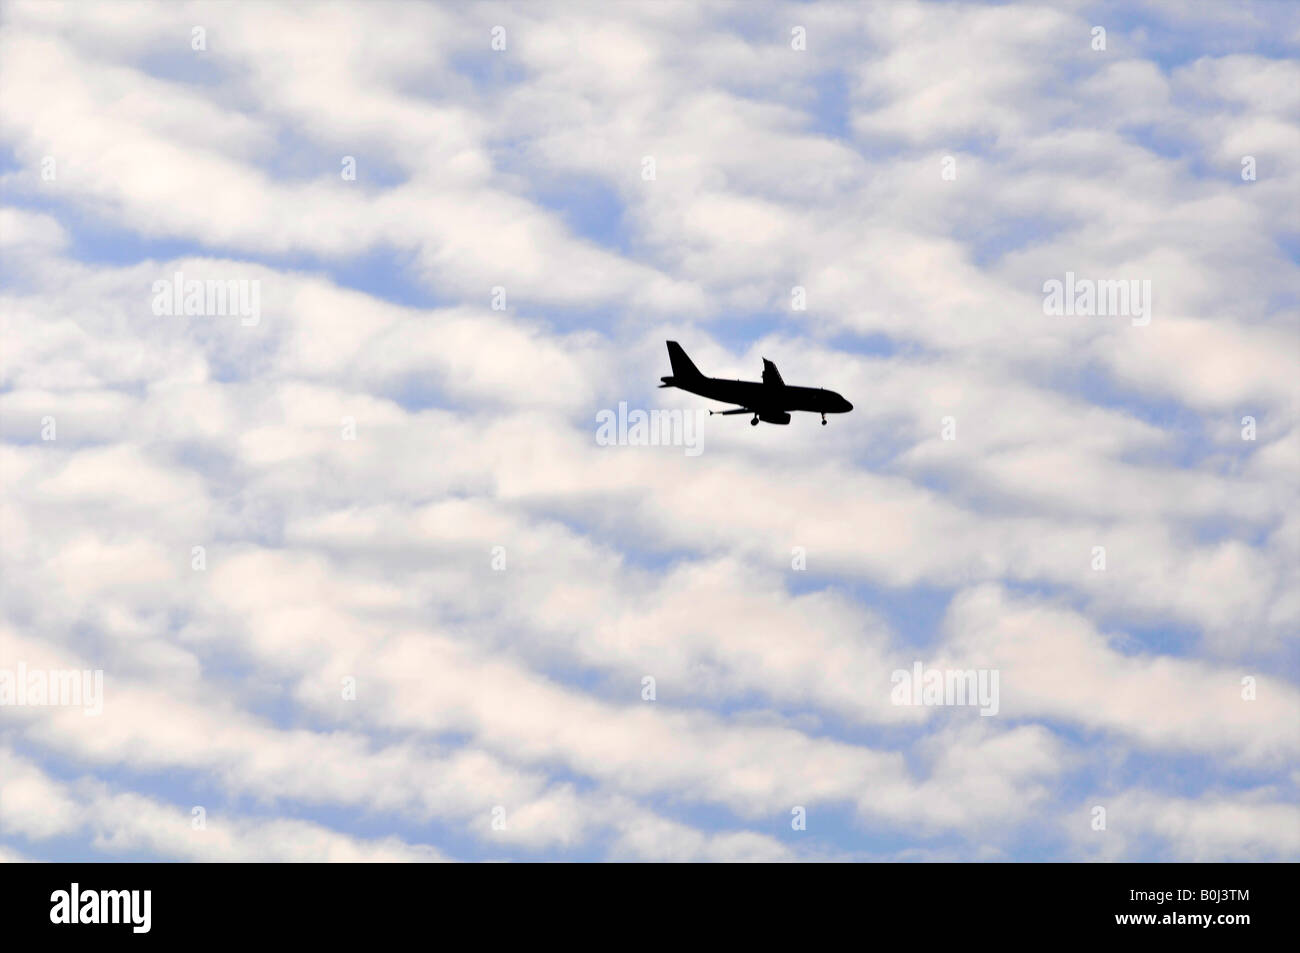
<point>769,401</point>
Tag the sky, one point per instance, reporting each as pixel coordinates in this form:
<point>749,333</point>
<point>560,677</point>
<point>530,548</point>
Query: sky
<point>364,582</point>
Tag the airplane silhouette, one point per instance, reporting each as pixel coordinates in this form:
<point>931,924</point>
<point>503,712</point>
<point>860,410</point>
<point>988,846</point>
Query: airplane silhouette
<point>769,401</point>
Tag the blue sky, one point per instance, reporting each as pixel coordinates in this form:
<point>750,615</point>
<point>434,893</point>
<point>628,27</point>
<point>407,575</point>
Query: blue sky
<point>399,487</point>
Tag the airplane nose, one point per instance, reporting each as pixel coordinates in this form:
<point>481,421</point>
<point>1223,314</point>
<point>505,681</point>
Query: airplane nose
<point>847,405</point>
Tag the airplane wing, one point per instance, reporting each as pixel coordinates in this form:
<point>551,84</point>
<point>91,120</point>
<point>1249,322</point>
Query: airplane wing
<point>770,374</point>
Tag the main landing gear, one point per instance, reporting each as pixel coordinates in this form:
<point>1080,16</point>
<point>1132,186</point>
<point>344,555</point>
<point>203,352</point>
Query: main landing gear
<point>754,422</point>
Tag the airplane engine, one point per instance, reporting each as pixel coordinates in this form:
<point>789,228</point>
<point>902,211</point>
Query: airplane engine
<point>775,417</point>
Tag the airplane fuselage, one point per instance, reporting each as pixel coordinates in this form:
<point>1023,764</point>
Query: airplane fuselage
<point>765,397</point>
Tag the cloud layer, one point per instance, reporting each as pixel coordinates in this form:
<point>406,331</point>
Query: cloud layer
<point>362,582</point>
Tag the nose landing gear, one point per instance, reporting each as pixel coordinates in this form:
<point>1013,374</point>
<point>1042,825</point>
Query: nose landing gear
<point>754,422</point>
<point>823,420</point>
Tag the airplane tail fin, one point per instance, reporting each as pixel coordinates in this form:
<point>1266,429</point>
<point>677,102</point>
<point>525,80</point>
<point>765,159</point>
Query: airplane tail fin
<point>683,367</point>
